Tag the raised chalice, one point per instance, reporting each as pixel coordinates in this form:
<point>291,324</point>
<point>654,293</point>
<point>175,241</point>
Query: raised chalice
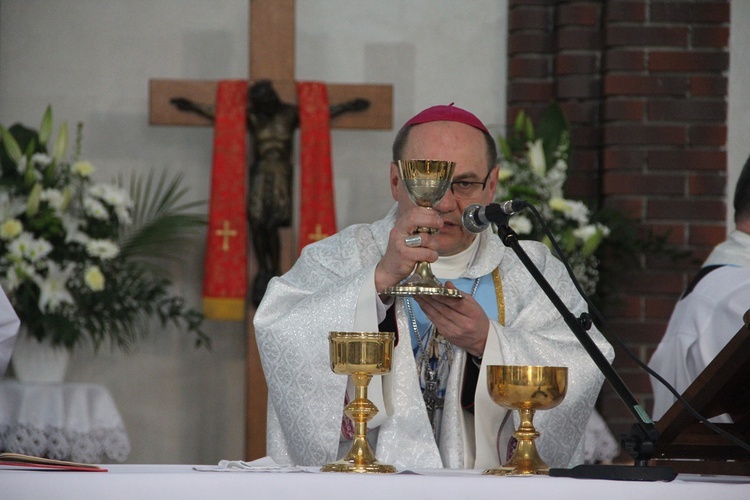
<point>426,182</point>
<point>360,355</point>
<point>526,389</point>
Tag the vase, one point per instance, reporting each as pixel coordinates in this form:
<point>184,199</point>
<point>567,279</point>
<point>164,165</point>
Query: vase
<point>38,362</point>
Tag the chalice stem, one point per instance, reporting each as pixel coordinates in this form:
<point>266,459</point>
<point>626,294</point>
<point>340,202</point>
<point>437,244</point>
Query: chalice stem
<point>361,381</point>
<point>526,459</point>
<point>424,271</point>
<point>526,429</point>
<point>361,410</point>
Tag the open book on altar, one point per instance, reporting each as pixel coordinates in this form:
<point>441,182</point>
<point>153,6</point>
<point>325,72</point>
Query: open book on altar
<point>19,461</point>
<point>689,446</point>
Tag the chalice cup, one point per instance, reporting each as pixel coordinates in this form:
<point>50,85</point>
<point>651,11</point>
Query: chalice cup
<point>426,182</point>
<point>526,389</point>
<point>360,355</point>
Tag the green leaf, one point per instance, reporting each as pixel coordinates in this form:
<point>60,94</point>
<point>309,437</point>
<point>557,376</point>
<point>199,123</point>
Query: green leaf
<point>520,121</point>
<point>161,220</point>
<point>553,128</point>
<point>505,149</point>
<point>529,129</point>
<point>45,130</point>
<point>29,176</point>
<point>61,145</point>
<point>592,243</point>
<point>10,145</point>
<point>35,196</point>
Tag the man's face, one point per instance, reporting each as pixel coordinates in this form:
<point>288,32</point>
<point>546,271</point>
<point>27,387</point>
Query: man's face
<point>460,143</point>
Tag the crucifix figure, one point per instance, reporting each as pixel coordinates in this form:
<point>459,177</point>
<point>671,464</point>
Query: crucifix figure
<point>271,56</point>
<point>271,124</point>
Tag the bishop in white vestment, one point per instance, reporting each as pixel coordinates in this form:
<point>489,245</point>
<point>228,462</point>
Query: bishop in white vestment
<point>503,318</point>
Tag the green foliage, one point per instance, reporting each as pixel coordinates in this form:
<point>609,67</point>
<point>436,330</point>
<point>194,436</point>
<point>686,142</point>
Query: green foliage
<point>600,244</point>
<point>534,168</point>
<point>76,257</point>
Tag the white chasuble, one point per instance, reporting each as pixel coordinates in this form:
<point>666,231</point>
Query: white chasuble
<point>331,288</point>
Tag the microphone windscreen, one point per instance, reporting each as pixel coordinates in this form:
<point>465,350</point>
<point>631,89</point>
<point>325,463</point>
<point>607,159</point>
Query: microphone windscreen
<point>470,220</point>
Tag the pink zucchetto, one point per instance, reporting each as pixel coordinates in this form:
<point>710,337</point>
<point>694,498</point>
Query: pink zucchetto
<point>449,113</point>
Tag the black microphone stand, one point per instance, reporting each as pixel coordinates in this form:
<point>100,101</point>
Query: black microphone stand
<point>644,434</point>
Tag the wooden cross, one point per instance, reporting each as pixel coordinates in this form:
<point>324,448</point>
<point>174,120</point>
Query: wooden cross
<point>271,52</point>
<point>271,57</point>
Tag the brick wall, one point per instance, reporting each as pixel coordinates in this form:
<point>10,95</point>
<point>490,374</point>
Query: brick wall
<point>644,86</point>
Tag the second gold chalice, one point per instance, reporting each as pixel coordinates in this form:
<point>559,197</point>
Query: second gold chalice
<point>426,182</point>
<point>526,389</point>
<point>360,355</point>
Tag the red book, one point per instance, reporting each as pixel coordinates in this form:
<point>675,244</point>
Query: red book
<point>18,461</point>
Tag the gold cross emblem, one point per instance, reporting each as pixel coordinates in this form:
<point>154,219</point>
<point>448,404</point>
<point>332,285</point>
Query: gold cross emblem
<point>226,233</point>
<point>318,234</point>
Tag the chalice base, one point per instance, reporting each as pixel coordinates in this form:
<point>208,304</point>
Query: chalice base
<point>359,459</point>
<point>412,290</point>
<point>525,461</point>
<point>422,282</point>
<point>364,468</point>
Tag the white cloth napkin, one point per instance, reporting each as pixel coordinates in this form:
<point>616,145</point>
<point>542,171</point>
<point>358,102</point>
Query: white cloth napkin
<point>265,464</point>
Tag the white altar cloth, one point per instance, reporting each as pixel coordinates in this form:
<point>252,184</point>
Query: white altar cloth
<point>78,422</point>
<point>164,482</point>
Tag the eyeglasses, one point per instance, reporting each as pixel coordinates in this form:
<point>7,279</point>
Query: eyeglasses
<point>468,189</point>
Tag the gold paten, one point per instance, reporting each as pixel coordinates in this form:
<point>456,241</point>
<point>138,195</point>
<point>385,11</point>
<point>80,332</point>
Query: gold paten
<point>360,355</point>
<point>526,389</point>
<point>426,182</point>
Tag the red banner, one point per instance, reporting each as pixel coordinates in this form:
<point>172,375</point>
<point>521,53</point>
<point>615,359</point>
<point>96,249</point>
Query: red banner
<point>317,210</point>
<point>225,278</point>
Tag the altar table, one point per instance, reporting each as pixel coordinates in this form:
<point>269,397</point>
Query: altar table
<point>166,482</point>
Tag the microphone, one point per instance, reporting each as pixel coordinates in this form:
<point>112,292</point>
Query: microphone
<point>477,218</point>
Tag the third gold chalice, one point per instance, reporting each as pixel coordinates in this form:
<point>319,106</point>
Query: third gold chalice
<point>426,182</point>
<point>360,355</point>
<point>526,389</point>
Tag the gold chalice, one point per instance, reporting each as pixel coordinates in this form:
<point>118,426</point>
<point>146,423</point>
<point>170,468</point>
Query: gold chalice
<point>360,355</point>
<point>426,182</point>
<point>526,389</point>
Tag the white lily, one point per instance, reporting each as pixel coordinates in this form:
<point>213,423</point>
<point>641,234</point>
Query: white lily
<point>54,197</point>
<point>537,162</point>
<point>53,289</point>
<point>72,226</point>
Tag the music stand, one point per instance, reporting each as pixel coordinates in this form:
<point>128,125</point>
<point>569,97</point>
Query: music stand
<point>689,446</point>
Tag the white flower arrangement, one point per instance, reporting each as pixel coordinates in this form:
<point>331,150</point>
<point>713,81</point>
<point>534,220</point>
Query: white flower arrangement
<point>533,167</point>
<point>67,261</point>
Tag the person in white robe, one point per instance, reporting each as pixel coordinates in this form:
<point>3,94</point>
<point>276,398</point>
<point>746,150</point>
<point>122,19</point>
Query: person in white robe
<point>710,311</point>
<point>503,318</point>
<point>9,324</point>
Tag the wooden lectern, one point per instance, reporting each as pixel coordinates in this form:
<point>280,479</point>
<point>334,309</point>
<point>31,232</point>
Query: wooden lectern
<point>689,446</point>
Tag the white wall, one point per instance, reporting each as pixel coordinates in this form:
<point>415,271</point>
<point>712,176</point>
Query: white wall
<point>92,59</point>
